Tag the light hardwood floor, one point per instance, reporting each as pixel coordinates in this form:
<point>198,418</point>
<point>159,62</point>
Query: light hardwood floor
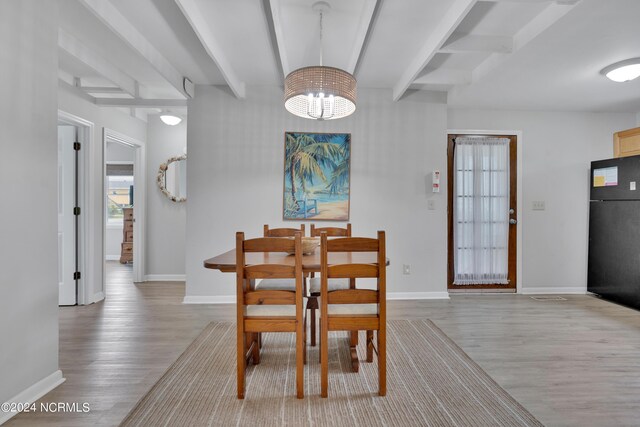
<point>574,362</point>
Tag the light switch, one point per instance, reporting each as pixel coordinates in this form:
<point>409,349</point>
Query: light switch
<point>632,186</point>
<point>538,205</point>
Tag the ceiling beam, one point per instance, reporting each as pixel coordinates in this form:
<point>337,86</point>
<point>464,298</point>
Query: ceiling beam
<point>533,29</point>
<point>200,26</point>
<point>434,42</point>
<point>82,53</point>
<point>140,103</point>
<point>101,89</point>
<point>271,28</point>
<point>109,15</point>
<point>444,76</point>
<point>460,43</point>
<point>275,25</point>
<point>362,33</point>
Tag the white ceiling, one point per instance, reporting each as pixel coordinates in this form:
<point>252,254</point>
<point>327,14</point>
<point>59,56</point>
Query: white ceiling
<point>516,54</point>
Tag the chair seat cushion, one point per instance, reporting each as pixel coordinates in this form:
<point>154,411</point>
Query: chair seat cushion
<point>333,284</point>
<point>277,284</point>
<point>271,310</point>
<point>355,309</point>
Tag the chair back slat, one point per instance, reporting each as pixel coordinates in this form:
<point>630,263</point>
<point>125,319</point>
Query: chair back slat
<point>269,271</point>
<point>269,244</point>
<point>352,271</point>
<point>269,297</point>
<point>353,244</point>
<point>353,296</point>
<point>282,232</point>
<point>331,231</point>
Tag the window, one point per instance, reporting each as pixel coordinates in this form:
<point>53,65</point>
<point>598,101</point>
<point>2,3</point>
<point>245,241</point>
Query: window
<point>119,195</point>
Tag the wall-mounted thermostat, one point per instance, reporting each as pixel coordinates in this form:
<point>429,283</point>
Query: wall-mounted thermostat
<point>435,178</point>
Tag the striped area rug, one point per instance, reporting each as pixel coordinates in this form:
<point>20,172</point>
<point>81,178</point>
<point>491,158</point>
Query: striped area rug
<point>430,382</point>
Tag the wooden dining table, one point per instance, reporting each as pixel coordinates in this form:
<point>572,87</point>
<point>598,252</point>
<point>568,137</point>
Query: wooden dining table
<point>226,263</point>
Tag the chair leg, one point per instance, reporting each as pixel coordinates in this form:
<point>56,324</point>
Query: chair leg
<point>312,305</point>
<point>241,350</point>
<point>353,344</point>
<point>382,362</point>
<point>369,346</point>
<point>255,339</point>
<point>300,348</point>
<point>324,359</point>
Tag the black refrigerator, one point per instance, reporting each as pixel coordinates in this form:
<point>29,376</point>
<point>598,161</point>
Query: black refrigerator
<point>614,230</point>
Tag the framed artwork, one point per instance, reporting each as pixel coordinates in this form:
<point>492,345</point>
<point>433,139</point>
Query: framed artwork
<point>317,170</point>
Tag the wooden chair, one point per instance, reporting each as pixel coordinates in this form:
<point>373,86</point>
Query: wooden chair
<point>280,284</point>
<point>351,302</point>
<point>282,232</point>
<point>251,317</point>
<point>334,284</point>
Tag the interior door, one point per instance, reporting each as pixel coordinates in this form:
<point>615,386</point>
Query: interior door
<point>513,218</point>
<point>66,219</point>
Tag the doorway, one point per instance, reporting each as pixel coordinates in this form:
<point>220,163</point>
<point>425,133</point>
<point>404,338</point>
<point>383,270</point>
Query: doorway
<point>483,207</point>
<point>124,168</point>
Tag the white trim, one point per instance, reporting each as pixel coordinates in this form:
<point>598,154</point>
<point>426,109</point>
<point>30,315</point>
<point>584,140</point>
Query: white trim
<point>519,203</point>
<point>139,195</point>
<point>33,393</point>
<point>416,295</point>
<point>88,258</point>
<point>112,257</point>
<point>165,278</point>
<point>577,290</point>
<point>98,296</point>
<point>119,162</point>
<point>214,299</point>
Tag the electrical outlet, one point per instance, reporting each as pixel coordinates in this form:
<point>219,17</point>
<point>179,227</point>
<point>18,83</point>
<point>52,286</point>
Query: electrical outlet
<point>431,205</point>
<point>406,269</point>
<point>538,205</point>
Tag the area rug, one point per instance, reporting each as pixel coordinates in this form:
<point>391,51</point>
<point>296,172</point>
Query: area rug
<point>430,382</point>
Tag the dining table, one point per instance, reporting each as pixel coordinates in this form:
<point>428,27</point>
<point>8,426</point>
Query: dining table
<point>226,263</point>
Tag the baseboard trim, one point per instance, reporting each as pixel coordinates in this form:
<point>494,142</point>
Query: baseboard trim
<point>231,299</point>
<point>34,393</point>
<point>165,278</point>
<point>98,296</point>
<point>112,257</point>
<point>417,295</point>
<point>212,299</point>
<point>577,290</point>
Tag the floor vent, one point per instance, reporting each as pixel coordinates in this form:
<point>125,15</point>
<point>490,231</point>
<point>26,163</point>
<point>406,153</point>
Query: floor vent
<point>549,298</point>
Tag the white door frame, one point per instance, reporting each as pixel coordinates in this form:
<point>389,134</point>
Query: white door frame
<point>139,197</point>
<point>518,134</point>
<point>86,228</point>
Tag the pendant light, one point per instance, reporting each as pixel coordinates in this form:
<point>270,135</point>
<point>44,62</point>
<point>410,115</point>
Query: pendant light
<point>319,92</point>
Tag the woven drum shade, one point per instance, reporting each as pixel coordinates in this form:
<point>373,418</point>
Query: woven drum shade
<point>337,86</point>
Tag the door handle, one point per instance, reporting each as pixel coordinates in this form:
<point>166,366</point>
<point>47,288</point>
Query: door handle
<point>513,221</point>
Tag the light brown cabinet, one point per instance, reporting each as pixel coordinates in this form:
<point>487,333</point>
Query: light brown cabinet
<point>626,143</point>
<point>126,251</point>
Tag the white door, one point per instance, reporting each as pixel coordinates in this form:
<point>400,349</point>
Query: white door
<point>66,219</point>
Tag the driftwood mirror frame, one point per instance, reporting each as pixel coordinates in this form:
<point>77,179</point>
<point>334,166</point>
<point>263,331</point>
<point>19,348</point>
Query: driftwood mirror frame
<point>160,180</point>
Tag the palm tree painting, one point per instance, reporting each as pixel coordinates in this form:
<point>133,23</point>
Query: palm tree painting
<point>316,176</point>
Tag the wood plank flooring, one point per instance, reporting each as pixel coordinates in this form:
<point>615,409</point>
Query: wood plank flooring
<point>571,363</point>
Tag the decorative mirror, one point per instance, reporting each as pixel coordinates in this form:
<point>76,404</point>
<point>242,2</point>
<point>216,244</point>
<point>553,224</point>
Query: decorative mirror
<point>172,178</point>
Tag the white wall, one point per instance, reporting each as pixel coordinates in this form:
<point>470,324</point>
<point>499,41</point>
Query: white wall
<point>235,179</point>
<point>113,119</point>
<point>557,150</point>
<point>120,153</point>
<point>28,170</point>
<point>166,220</point>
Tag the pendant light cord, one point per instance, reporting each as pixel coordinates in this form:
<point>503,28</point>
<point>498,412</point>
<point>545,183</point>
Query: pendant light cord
<point>321,38</point>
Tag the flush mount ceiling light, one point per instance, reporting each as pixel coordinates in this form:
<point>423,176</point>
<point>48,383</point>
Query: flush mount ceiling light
<point>623,71</point>
<point>170,119</point>
<point>319,92</point>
